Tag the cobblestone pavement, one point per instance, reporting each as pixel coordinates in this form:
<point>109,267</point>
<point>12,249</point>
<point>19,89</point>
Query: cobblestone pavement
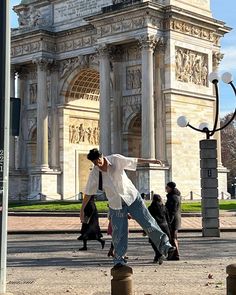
<point>52,265</point>
<point>42,223</point>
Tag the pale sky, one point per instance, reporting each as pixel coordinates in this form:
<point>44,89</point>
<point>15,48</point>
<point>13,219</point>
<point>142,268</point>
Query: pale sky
<point>223,10</point>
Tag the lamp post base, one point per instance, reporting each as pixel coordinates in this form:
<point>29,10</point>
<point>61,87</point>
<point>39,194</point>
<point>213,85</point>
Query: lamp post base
<point>211,232</point>
<point>209,185</point>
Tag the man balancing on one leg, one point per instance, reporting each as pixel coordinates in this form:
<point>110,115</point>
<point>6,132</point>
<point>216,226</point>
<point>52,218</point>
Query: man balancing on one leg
<point>123,198</point>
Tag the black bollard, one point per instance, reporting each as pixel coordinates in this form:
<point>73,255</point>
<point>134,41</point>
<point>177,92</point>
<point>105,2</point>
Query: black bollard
<point>122,281</point>
<point>231,279</point>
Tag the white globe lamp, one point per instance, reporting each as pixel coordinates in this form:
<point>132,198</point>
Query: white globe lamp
<point>182,121</point>
<point>213,77</point>
<point>227,77</point>
<point>204,125</point>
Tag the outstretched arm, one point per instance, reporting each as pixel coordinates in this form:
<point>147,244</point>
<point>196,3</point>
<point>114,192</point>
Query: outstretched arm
<point>151,161</point>
<point>84,203</point>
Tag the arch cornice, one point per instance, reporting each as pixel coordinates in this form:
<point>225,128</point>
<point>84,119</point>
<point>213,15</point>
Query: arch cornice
<point>33,128</point>
<point>86,62</point>
<point>130,118</point>
<point>31,131</point>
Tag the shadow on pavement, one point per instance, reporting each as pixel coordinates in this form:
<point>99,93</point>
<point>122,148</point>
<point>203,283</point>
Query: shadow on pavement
<point>62,251</point>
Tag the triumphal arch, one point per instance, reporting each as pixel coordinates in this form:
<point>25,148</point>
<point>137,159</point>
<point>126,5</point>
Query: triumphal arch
<point>114,74</point>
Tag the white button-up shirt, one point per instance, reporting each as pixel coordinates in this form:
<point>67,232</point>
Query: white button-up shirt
<point>116,183</point>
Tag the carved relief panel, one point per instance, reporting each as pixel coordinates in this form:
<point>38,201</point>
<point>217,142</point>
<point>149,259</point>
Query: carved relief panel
<point>33,93</point>
<point>133,77</point>
<point>68,65</point>
<point>83,131</point>
<point>193,30</point>
<point>191,66</point>
<point>48,91</point>
<point>132,53</point>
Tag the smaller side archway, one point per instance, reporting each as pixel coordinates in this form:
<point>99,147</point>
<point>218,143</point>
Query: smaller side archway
<point>132,141</point>
<point>134,135</point>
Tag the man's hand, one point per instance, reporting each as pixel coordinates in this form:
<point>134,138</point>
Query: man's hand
<point>85,201</point>
<point>155,161</point>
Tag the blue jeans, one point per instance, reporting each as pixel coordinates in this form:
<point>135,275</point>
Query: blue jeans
<point>140,213</point>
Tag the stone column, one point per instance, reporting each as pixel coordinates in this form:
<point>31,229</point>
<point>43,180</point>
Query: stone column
<point>54,119</point>
<point>105,100</point>
<point>12,139</point>
<point>160,110</point>
<point>42,114</point>
<point>17,92</point>
<point>148,137</point>
<point>117,97</point>
<point>20,143</point>
<point>209,185</point>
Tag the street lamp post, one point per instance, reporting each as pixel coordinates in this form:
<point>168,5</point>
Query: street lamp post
<point>4,134</point>
<point>208,162</point>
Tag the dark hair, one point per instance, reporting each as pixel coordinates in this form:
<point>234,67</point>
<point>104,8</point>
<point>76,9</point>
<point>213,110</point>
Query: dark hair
<point>157,198</point>
<point>94,154</point>
<point>171,185</point>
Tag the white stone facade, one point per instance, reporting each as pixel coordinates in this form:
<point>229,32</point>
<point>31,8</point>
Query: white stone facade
<point>114,74</point>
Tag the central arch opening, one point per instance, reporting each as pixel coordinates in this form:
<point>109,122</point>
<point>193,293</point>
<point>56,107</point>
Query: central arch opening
<point>81,126</point>
<point>85,86</point>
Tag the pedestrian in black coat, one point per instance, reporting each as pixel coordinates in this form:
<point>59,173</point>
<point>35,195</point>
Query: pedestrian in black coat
<point>90,229</point>
<point>159,212</point>
<point>173,205</point>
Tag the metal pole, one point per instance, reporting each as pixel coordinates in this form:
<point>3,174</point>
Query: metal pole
<point>4,132</point>
<point>217,108</point>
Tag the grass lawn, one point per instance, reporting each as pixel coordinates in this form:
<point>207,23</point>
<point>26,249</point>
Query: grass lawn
<point>53,206</point>
<point>187,206</point>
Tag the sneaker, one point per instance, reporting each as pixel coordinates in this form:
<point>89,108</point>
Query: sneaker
<point>83,249</point>
<point>118,265</point>
<point>103,243</point>
<point>160,260</point>
<point>176,258</point>
<point>155,259</point>
<point>171,252</point>
<point>110,253</point>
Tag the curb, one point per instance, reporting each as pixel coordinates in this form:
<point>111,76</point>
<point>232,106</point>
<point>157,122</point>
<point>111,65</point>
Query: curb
<point>75,214</point>
<point>72,231</point>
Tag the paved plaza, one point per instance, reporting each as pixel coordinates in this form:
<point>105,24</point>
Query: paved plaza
<point>51,264</point>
